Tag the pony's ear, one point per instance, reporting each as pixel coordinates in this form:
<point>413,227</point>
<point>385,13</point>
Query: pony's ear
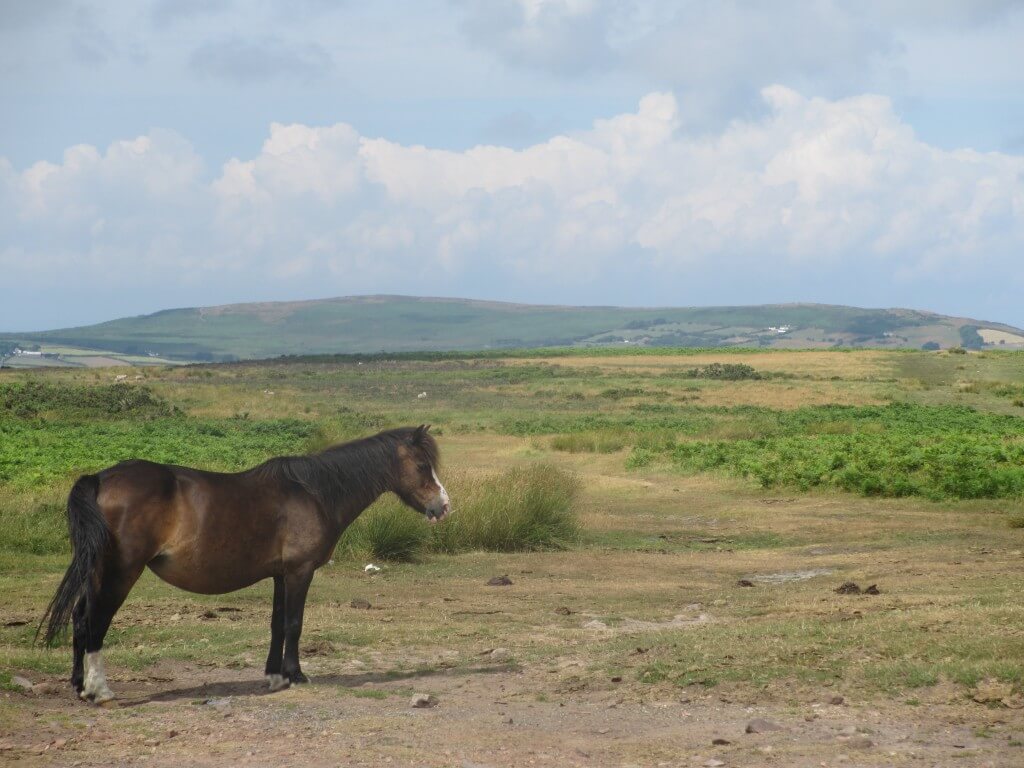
<point>420,433</point>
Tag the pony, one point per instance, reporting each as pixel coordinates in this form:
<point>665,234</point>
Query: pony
<point>215,532</point>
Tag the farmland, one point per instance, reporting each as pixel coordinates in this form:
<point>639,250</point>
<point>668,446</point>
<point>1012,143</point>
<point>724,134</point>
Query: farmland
<point>716,500</point>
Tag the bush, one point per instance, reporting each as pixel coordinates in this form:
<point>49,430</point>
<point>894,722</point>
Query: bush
<point>523,510</point>
<point>725,371</point>
<point>35,398</point>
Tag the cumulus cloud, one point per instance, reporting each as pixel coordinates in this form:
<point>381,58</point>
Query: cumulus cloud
<point>717,56</point>
<point>826,189</point>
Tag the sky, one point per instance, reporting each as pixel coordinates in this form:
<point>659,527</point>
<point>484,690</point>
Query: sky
<point>169,153</point>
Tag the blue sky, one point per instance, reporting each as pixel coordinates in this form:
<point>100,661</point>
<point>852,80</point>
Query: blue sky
<point>182,153</point>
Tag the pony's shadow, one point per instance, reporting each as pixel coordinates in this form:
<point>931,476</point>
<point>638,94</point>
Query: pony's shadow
<point>258,687</point>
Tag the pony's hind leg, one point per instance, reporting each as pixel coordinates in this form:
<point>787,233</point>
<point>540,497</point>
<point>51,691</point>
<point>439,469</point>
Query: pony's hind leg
<point>273,669</point>
<point>115,585</point>
<point>78,635</point>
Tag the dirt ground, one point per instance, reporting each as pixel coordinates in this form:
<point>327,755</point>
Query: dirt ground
<point>490,715</point>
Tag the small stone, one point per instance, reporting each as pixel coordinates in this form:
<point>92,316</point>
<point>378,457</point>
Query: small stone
<point>175,617</point>
<point>564,611</point>
<point>499,581</point>
<point>45,689</point>
<point>848,588</point>
<point>719,603</point>
<point>837,701</point>
<point>872,590</point>
<point>720,742</point>
<point>617,679</point>
<point>22,682</point>
<point>860,742</point>
<point>744,583</point>
<point>358,602</point>
<point>172,733</point>
<point>423,701</point>
<point>713,763</point>
<point>760,725</point>
<point>500,654</point>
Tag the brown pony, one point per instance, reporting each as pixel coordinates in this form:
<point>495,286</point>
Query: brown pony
<point>211,533</point>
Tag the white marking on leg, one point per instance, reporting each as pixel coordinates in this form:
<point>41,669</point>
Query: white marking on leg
<point>277,682</point>
<point>96,689</point>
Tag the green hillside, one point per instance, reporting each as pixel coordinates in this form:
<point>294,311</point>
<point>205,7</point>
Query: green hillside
<point>396,323</point>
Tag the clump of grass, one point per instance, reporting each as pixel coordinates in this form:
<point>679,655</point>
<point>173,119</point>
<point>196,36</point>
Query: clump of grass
<point>1016,521</point>
<point>388,531</point>
<point>589,442</point>
<point>522,510</point>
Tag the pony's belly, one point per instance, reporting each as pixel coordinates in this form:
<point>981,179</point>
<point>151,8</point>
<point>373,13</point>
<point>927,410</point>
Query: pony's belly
<point>208,579</point>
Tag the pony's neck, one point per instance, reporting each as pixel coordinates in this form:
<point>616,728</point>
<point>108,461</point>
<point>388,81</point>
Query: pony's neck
<point>351,481</point>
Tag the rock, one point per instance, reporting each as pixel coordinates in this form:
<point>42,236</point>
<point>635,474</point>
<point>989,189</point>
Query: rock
<point>744,583</point>
<point>371,568</point>
<point>499,581</point>
<point>713,763</point>
<point>992,692</point>
<point>45,689</point>
<point>872,590</point>
<point>423,701</point>
<point>859,742</point>
<point>500,654</point>
<point>836,701</point>
<point>564,611</point>
<point>848,588</point>
<point>720,742</point>
<point>595,624</point>
<point>22,682</point>
<point>760,725</point>
<point>358,602</point>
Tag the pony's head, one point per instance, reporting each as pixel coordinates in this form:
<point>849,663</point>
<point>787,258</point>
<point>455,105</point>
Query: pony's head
<point>417,482</point>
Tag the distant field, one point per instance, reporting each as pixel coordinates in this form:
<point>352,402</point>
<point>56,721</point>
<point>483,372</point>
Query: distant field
<point>64,356</point>
<point>699,472</point>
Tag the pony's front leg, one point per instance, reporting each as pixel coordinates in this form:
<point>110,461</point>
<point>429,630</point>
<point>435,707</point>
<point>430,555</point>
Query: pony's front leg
<point>296,586</point>
<point>275,680</point>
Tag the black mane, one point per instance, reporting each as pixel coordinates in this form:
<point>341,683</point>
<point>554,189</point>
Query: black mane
<point>354,471</point>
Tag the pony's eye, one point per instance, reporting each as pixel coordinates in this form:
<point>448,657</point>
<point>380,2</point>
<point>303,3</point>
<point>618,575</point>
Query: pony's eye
<point>423,467</point>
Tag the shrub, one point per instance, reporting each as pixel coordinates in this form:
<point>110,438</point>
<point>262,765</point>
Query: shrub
<point>34,398</point>
<point>724,371</point>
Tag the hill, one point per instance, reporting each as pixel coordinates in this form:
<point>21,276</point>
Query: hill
<point>370,324</point>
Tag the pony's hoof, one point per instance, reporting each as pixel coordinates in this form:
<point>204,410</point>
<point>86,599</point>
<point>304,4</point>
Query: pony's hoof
<point>98,698</point>
<point>298,678</point>
<point>277,682</point>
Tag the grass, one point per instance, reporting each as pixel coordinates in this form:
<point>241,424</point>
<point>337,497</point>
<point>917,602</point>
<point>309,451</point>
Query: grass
<point>525,509</point>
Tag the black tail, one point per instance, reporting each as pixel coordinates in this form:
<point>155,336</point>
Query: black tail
<point>89,538</point>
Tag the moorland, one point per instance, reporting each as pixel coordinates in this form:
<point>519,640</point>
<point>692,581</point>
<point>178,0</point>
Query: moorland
<point>676,526</point>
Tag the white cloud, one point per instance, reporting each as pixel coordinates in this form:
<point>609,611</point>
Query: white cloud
<point>814,189</point>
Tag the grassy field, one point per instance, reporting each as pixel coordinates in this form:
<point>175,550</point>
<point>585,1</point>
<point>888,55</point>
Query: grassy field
<point>701,510</point>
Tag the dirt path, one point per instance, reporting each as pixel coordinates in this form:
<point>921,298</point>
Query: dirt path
<point>489,715</point>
